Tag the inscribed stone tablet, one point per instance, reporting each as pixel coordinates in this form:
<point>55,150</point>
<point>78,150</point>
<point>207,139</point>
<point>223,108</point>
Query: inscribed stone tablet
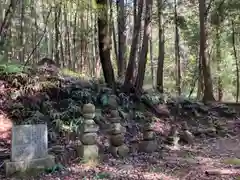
<point>29,142</point>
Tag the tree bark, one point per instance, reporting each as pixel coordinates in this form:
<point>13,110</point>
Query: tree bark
<point>177,53</point>
<point>105,43</point>
<point>236,61</point>
<point>161,49</point>
<point>208,87</point>
<point>135,38</point>
<point>144,50</point>
<point>121,39</point>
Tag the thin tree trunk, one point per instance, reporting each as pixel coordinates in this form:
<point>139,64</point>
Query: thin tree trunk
<point>144,50</point>
<point>177,53</point>
<point>22,49</point>
<point>121,38</point>
<point>57,19</point>
<point>105,43</point>
<point>161,48</point>
<point>218,56</point>
<point>135,38</point>
<point>236,60</point>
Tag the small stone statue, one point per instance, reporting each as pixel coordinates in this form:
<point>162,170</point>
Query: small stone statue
<point>117,147</point>
<point>148,143</point>
<point>89,149</point>
<point>186,135</point>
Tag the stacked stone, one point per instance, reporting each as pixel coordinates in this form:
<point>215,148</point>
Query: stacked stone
<point>173,137</point>
<point>117,147</point>
<point>148,143</point>
<point>88,150</point>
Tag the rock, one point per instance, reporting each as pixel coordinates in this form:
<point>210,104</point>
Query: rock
<point>123,150</point>
<point>148,146</point>
<point>89,122</point>
<point>187,137</point>
<point>89,128</point>
<point>211,131</point>
<point>88,108</point>
<point>88,152</point>
<point>148,127</point>
<point>112,102</point>
<point>89,138</point>
<point>120,151</point>
<point>114,113</point>
<point>117,128</point>
<point>117,140</point>
<point>114,120</point>
<point>148,135</point>
<point>89,115</point>
<point>185,126</point>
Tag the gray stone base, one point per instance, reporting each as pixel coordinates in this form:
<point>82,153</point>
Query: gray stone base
<point>148,146</point>
<point>88,152</point>
<point>120,151</point>
<point>21,166</point>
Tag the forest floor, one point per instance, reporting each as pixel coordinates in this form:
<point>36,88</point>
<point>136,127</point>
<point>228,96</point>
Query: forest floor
<point>209,157</point>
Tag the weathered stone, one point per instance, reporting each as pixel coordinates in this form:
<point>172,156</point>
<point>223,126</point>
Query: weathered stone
<point>89,115</point>
<point>184,126</point>
<point>114,113</point>
<point>187,137</point>
<point>89,138</point>
<point>89,128</point>
<point>21,166</point>
<point>112,102</point>
<point>148,135</point>
<point>29,142</point>
<point>148,127</point>
<point>89,121</point>
<point>88,152</point>
<point>120,151</point>
<point>115,120</point>
<point>117,128</point>
<point>148,146</point>
<point>123,150</point>
<point>88,109</point>
<point>117,140</point>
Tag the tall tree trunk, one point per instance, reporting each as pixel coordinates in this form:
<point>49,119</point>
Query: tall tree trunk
<point>105,43</point>
<point>161,48</point>
<point>121,38</point>
<point>236,61</point>
<point>57,14</point>
<point>144,50</point>
<point>22,49</point>
<point>218,56</point>
<point>208,87</point>
<point>135,38</point>
<point>177,53</point>
<point>151,52</point>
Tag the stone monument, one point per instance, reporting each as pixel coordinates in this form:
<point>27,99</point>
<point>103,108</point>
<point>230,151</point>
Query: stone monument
<point>117,147</point>
<point>148,143</point>
<point>29,149</point>
<point>88,150</point>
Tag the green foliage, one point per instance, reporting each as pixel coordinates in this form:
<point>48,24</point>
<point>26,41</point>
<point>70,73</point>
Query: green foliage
<point>11,68</point>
